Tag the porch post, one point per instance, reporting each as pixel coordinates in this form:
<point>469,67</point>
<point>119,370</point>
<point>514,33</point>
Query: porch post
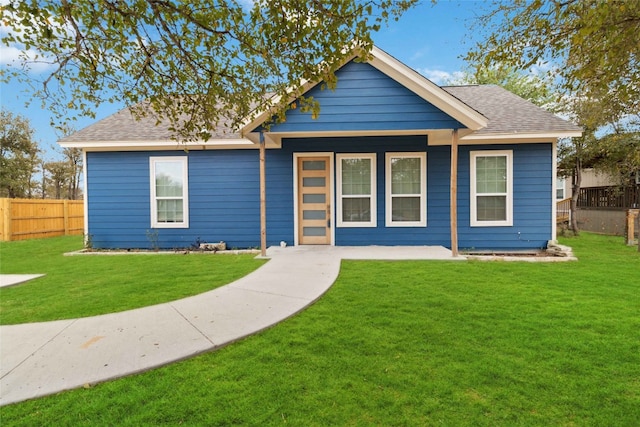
<point>263,199</point>
<point>454,193</point>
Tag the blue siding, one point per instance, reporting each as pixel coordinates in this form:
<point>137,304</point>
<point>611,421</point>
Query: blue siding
<point>437,189</point>
<point>532,222</point>
<point>224,197</point>
<point>366,99</point>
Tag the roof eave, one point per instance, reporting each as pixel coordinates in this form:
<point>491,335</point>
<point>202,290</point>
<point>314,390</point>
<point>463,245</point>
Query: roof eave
<point>158,145</point>
<point>523,135</point>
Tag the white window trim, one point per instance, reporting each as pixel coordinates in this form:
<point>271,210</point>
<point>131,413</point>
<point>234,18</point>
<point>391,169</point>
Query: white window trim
<point>373,221</point>
<point>185,192</point>
<point>423,190</point>
<point>473,205</point>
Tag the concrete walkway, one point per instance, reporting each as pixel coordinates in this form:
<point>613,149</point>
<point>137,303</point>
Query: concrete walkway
<point>37,359</point>
<point>7,280</point>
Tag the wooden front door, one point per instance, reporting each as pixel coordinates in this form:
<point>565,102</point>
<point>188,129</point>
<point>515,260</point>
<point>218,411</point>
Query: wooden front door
<point>314,200</point>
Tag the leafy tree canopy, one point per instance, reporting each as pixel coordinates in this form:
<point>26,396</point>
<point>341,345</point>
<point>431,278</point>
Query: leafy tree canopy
<point>535,87</point>
<point>18,155</point>
<point>192,60</point>
<point>593,44</point>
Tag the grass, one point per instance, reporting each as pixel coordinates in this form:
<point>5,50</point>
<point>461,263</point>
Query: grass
<point>409,343</point>
<point>78,286</point>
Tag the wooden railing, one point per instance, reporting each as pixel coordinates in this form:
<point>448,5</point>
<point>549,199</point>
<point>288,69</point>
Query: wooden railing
<point>610,197</point>
<point>22,219</point>
<point>563,210</point>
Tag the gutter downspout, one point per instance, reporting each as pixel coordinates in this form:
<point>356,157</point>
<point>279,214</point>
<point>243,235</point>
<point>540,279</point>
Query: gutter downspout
<point>263,199</point>
<point>453,193</point>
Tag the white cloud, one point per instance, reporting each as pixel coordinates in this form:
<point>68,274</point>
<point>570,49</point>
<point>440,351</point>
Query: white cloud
<point>419,53</point>
<point>439,77</point>
<point>15,56</point>
<point>30,60</point>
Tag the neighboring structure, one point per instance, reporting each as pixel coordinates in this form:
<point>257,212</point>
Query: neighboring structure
<point>604,201</point>
<point>392,159</point>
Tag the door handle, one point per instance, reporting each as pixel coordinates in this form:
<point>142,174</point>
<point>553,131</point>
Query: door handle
<point>328,216</point>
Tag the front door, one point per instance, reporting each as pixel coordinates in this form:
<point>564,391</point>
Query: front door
<point>314,200</point>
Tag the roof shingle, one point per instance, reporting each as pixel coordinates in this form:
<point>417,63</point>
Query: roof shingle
<point>507,112</point>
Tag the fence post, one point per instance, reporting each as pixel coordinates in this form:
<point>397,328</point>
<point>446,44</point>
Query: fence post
<point>65,210</point>
<point>632,214</point>
<point>6,219</point>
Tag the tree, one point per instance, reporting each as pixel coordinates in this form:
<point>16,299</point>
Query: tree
<point>193,61</point>
<point>618,154</point>
<point>592,47</point>
<point>534,87</point>
<point>58,178</point>
<point>73,159</point>
<point>18,155</point>
<point>592,44</point>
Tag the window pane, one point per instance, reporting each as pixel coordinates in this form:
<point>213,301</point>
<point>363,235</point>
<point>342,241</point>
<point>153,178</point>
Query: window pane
<point>314,231</point>
<point>169,179</point>
<point>313,165</point>
<point>313,198</point>
<point>170,210</point>
<point>356,176</point>
<point>560,188</point>
<point>313,182</point>
<point>491,174</point>
<point>405,175</point>
<point>492,208</point>
<point>405,209</point>
<point>314,214</point>
<point>356,209</point>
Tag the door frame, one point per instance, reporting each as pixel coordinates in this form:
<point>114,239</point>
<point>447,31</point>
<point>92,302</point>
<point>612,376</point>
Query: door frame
<point>332,216</point>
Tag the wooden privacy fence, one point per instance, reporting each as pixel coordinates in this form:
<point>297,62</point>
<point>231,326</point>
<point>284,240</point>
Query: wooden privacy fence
<point>22,219</point>
<point>610,197</point>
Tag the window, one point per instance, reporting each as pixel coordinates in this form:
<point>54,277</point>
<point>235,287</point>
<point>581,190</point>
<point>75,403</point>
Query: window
<point>491,188</point>
<point>169,190</point>
<point>560,184</point>
<point>406,188</point>
<point>356,201</point>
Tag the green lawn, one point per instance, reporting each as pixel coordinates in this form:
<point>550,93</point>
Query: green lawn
<point>78,286</point>
<point>409,343</point>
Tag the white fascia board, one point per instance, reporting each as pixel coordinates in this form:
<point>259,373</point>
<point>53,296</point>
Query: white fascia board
<point>523,135</point>
<point>427,90</point>
<point>214,144</point>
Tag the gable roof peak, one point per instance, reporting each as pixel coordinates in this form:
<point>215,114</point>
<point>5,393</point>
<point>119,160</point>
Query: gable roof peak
<point>406,76</point>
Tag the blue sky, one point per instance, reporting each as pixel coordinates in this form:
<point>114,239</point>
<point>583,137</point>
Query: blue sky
<point>429,38</point>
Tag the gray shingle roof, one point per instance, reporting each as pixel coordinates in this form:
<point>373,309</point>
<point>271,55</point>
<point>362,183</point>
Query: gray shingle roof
<point>507,112</point>
<point>123,126</point>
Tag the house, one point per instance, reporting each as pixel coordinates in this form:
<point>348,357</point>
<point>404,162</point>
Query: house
<point>392,159</point>
<point>590,178</point>
<point>603,201</point>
